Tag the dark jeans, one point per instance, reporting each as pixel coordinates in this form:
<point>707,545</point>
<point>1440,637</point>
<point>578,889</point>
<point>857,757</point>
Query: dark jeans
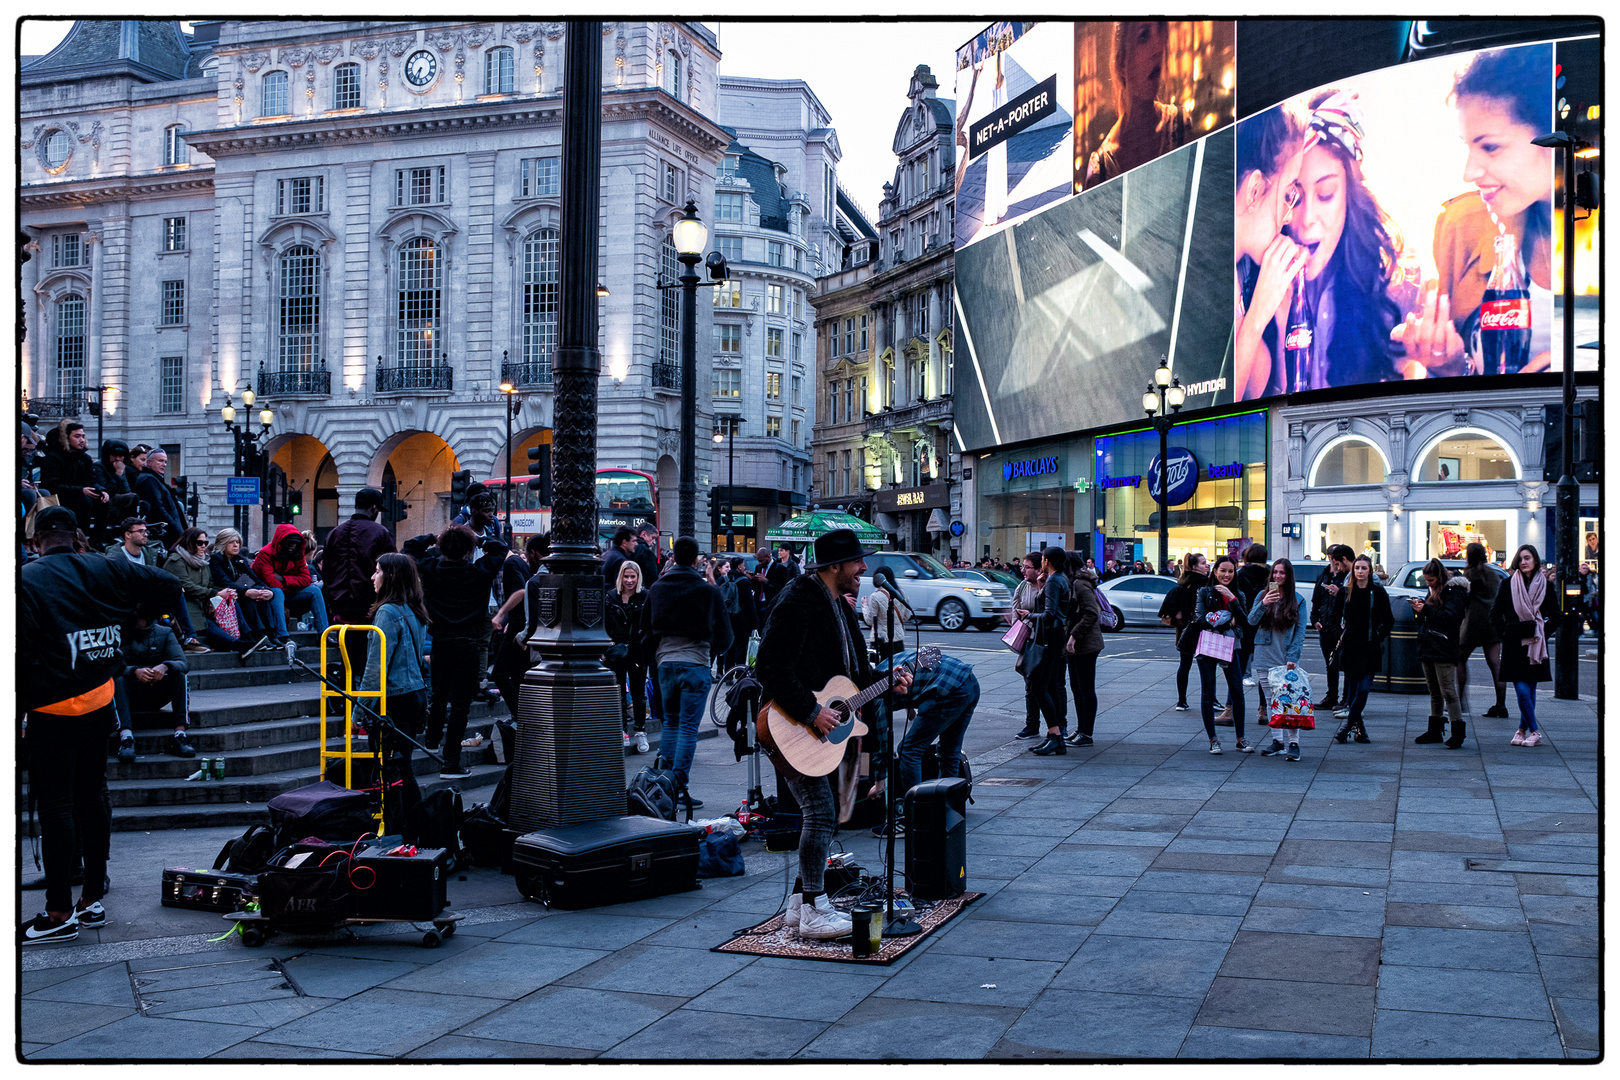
<point>944,718</point>
<point>67,767</point>
<point>1357,686</point>
<point>408,713</point>
<point>263,616</point>
<point>1234,691</point>
<point>685,690</point>
<point>455,680</point>
<point>815,798</point>
<point>1049,693</point>
<point>636,678</point>
<point>149,697</point>
<point>1330,642</point>
<point>1182,672</point>
<point>1083,684</point>
<point>511,664</point>
<point>1032,704</point>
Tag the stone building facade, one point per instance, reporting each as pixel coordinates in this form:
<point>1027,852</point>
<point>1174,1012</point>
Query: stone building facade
<point>357,221</point>
<point>884,442</point>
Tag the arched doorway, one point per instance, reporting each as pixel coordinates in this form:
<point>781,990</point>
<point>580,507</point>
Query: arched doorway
<point>297,463</point>
<point>414,467</point>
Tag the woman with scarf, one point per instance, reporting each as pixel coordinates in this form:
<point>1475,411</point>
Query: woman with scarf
<point>1361,611</point>
<point>189,562</point>
<point>1026,603</point>
<point>1523,608</point>
<point>1221,608</point>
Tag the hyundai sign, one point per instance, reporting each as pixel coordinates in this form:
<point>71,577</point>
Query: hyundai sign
<point>1181,473</point>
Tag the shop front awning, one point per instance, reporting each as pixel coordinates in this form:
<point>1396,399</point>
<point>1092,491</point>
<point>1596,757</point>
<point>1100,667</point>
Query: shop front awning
<point>804,528</point>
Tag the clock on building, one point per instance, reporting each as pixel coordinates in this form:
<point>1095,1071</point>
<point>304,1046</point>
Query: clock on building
<point>421,67</point>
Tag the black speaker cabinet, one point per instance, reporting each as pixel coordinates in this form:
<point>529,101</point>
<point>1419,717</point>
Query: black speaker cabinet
<point>936,839</point>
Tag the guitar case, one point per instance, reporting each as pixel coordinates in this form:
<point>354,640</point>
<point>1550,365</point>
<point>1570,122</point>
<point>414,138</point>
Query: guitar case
<point>606,862</point>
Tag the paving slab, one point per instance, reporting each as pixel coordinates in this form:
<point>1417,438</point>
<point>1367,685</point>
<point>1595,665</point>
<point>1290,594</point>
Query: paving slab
<point>691,1034</point>
<point>146,1038</point>
<point>1333,1009</point>
<point>895,1029</point>
<point>1400,1034</point>
<point>1105,1025</point>
<point>1465,991</point>
<point>379,1021</point>
<point>1302,958</point>
<point>1225,1042</point>
<point>1143,965</point>
<point>795,995</point>
<point>49,1021</point>
<point>459,1048</point>
<point>971,980</point>
<point>578,1019</point>
<point>497,969</point>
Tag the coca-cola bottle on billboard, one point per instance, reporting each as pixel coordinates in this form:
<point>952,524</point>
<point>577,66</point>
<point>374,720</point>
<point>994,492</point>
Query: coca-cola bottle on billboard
<point>1504,313</point>
<point>1298,341</point>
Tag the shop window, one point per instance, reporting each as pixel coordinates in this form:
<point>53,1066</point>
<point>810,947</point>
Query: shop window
<point>1467,455</point>
<point>1349,462</point>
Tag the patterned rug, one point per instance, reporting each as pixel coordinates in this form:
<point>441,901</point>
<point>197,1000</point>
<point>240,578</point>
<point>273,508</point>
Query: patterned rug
<point>770,939</point>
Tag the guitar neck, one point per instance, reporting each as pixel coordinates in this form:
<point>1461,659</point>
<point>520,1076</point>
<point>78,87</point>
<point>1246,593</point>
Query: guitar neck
<point>859,701</point>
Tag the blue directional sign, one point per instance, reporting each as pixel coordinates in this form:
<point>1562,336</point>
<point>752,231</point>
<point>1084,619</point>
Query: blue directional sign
<point>242,491</point>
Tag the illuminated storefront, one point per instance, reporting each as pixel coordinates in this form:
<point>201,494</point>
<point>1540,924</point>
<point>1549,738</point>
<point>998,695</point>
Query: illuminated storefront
<point>1035,497</point>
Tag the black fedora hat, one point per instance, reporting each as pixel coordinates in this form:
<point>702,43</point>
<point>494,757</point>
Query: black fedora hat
<point>837,546</point>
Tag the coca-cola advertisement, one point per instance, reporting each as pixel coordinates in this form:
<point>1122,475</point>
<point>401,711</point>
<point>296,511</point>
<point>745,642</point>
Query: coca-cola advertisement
<point>1399,225</point>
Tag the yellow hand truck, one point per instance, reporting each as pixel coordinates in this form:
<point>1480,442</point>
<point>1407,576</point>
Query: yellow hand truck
<point>350,696</point>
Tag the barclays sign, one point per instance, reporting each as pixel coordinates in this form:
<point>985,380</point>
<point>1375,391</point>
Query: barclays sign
<point>1013,470</point>
<point>1181,476</point>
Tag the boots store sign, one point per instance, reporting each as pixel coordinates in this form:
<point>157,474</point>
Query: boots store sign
<point>1180,474</point>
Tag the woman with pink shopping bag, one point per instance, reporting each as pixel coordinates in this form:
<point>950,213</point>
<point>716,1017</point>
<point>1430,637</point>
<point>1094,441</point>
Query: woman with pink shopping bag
<point>1219,615</point>
<point>1279,640</point>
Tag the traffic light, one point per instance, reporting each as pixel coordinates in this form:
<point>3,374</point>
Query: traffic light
<point>725,514</point>
<point>459,482</point>
<point>295,503</point>
<point>714,509</point>
<point>540,470</point>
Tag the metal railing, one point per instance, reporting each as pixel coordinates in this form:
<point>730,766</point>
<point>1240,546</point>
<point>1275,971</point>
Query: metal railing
<point>666,376</point>
<point>49,407</point>
<point>408,378</point>
<point>531,373</point>
<point>315,382</point>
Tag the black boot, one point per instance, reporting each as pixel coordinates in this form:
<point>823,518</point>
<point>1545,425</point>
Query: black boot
<point>1436,732</point>
<point>1052,745</point>
<point>1459,732</point>
<point>1361,732</point>
<point>1343,733</point>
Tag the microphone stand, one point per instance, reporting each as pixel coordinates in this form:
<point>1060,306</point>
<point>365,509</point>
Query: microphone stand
<point>893,926</point>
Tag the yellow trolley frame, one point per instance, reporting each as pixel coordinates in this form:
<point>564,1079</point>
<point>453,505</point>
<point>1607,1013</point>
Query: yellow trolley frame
<point>348,754</point>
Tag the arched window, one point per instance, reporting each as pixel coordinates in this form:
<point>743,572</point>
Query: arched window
<point>274,101</point>
<point>540,296</point>
<point>1467,455</point>
<point>70,347</point>
<point>420,302</point>
<point>298,323</point>
<point>672,74</point>
<point>346,86</point>
<point>174,146</point>
<point>498,68</point>
<point>669,319</point>
<point>210,67</point>
<point>1347,462</point>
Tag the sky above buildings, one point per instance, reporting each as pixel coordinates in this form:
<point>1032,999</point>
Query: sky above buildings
<point>859,70</point>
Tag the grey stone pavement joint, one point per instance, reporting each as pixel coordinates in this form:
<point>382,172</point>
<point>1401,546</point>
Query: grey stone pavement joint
<point>1144,899</point>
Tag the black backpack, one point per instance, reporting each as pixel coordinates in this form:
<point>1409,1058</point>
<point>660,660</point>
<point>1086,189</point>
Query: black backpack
<point>656,793</point>
<point>249,853</point>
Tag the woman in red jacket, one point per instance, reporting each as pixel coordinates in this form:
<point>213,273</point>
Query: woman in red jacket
<point>281,565</point>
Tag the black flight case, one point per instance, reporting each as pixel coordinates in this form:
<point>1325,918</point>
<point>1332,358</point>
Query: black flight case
<point>606,862</point>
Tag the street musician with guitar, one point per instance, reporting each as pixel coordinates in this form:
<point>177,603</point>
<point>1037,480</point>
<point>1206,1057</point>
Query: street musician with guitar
<point>811,639</point>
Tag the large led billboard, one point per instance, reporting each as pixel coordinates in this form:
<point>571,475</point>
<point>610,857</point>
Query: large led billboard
<point>1393,226</point>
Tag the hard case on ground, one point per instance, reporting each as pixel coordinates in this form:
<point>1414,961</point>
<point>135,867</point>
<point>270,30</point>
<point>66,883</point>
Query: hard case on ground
<point>606,862</point>
<point>411,887</point>
<point>206,890</point>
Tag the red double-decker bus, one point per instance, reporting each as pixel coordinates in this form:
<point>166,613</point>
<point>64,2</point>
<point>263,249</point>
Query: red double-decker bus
<point>623,497</point>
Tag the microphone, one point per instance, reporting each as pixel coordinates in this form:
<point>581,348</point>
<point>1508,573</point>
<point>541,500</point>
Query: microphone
<point>884,579</point>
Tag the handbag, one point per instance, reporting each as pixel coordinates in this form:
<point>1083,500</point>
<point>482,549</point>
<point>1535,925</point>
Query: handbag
<point>617,658</point>
<point>1215,646</point>
<point>41,504</point>
<point>1030,659</point>
<point>1017,636</point>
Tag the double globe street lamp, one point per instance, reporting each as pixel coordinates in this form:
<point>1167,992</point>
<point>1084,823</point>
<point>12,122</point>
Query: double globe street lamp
<point>1161,401</point>
<point>245,446</point>
<point>690,236</point>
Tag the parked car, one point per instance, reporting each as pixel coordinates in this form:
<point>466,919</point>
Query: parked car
<point>1410,575</point>
<point>1136,599</point>
<point>937,593</point>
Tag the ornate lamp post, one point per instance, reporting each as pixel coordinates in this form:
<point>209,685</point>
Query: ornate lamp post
<point>1161,401</point>
<point>513,403</point>
<point>690,236</point>
<point>247,460</point>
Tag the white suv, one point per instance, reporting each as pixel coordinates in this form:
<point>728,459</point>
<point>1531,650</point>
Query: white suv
<point>934,592</point>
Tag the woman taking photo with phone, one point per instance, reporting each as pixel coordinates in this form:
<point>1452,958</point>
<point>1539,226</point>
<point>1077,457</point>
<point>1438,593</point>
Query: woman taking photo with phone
<point>1221,609</point>
<point>1523,608</point>
<point>1439,617</point>
<point>1279,641</point>
<point>1362,613</point>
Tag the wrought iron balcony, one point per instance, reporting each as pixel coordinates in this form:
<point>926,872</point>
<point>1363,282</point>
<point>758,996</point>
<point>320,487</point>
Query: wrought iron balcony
<point>316,382</point>
<point>415,378</point>
<point>909,417</point>
<point>532,373</point>
<point>46,408</point>
<point>666,376</point>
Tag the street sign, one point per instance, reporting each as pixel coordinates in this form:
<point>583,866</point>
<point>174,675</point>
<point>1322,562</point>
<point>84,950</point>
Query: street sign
<point>242,491</point>
<point>956,528</point>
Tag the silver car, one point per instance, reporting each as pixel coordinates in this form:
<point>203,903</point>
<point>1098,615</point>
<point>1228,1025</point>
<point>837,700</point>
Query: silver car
<point>1136,598</point>
<point>935,592</point>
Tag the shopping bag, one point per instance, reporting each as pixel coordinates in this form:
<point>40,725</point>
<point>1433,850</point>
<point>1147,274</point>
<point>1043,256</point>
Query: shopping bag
<point>224,615</point>
<point>1215,646</point>
<point>1290,694</point>
<point>1017,635</point>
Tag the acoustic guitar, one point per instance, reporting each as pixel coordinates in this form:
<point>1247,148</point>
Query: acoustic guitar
<point>812,754</point>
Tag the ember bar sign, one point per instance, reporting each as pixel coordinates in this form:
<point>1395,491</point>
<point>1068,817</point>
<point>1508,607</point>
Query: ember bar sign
<point>892,500</point>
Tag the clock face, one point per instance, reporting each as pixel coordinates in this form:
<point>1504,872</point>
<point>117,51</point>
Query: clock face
<point>421,67</point>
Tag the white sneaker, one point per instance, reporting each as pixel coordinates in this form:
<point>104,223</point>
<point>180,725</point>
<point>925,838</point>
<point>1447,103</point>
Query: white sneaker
<point>1248,681</point>
<point>821,921</point>
<point>790,918</point>
<point>642,745</point>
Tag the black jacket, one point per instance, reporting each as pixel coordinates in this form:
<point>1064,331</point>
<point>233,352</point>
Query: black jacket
<point>1178,606</point>
<point>801,648</point>
<point>71,610</point>
<point>154,645</point>
<point>228,572</point>
<point>457,593</point>
<point>1251,582</point>
<point>64,473</point>
<point>161,504</point>
<point>1439,625</point>
<point>682,604</point>
<point>624,622</point>
<point>611,562</point>
<point>1363,625</point>
<point>777,578</point>
<point>1516,665</point>
<point>350,558</point>
<point>1324,602</point>
<point>647,559</point>
<point>1209,601</point>
<point>107,478</point>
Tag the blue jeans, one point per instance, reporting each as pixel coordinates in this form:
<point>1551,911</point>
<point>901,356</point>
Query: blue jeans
<point>685,692</point>
<point>1359,687</point>
<point>943,718</point>
<point>1526,693</point>
<point>264,616</point>
<point>317,604</point>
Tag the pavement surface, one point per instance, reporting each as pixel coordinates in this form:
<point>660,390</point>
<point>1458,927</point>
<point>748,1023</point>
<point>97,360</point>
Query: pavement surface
<point>1145,900</point>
